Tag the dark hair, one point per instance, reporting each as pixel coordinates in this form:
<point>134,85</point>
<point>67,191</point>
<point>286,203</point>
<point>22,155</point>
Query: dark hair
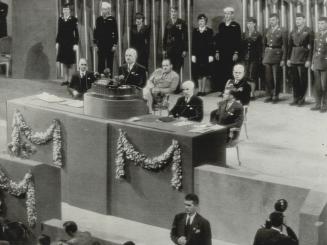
<point>70,227</point>
<point>174,8</point>
<point>66,5</point>
<point>276,218</point>
<point>192,197</point>
<point>203,16</point>
<point>129,243</point>
<point>44,239</point>
<point>252,19</point>
<point>139,15</point>
<point>299,15</point>
<point>322,18</point>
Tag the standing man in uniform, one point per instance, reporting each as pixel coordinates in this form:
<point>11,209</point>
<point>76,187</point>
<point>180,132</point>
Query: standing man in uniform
<point>140,40</point>
<point>319,66</point>
<point>275,41</point>
<point>3,19</point>
<point>175,40</point>
<point>252,51</point>
<point>228,44</point>
<point>299,56</point>
<point>106,38</point>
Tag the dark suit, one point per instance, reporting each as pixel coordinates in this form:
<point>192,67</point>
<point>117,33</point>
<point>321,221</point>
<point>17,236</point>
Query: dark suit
<point>136,76</point>
<point>231,117</point>
<point>319,62</point>
<point>81,84</point>
<point>140,41</point>
<point>192,110</point>
<point>105,37</point>
<point>199,232</point>
<point>266,236</point>
<point>175,42</point>
<point>275,42</point>
<point>3,19</point>
<point>241,89</point>
<point>228,43</point>
<point>300,46</point>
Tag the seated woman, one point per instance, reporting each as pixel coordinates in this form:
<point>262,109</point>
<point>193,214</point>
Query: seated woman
<point>239,85</point>
<point>229,114</point>
<point>163,81</point>
<point>188,106</point>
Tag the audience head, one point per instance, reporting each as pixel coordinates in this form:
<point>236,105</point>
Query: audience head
<point>188,88</point>
<point>191,201</point>
<point>322,23</point>
<point>173,12</point>
<point>66,10</point>
<point>229,13</point>
<point>106,73</point>
<point>70,227</point>
<point>43,240</point>
<point>276,218</point>
<point>82,64</point>
<point>229,95</point>
<point>130,56</point>
<point>273,19</point>
<point>106,9</point>
<point>202,20</point>
<point>166,65</point>
<point>299,19</point>
<point>238,71</point>
<point>129,243</point>
<point>251,23</point>
<point>139,19</point>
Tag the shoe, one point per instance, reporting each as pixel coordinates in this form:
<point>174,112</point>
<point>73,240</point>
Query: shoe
<point>294,102</point>
<point>301,102</point>
<point>269,99</point>
<point>315,108</point>
<point>65,83</point>
<point>323,109</point>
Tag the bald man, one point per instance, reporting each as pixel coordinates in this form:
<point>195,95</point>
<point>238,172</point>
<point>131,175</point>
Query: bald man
<point>132,73</point>
<point>189,106</point>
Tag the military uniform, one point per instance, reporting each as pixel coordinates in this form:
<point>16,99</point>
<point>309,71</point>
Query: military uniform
<point>3,19</point>
<point>251,52</point>
<point>299,52</point>
<point>105,37</point>
<point>275,41</point>
<point>319,62</point>
<point>175,42</point>
<point>227,43</point>
<point>140,41</point>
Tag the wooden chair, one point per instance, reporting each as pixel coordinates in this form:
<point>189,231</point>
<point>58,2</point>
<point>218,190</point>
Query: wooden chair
<point>5,53</point>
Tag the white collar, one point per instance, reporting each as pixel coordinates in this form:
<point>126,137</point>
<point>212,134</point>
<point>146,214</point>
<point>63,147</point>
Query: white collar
<point>276,229</point>
<point>130,66</point>
<point>191,217</point>
<point>202,29</point>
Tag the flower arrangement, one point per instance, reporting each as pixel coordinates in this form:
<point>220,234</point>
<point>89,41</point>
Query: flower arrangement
<point>126,151</point>
<point>22,149</point>
<point>25,186</point>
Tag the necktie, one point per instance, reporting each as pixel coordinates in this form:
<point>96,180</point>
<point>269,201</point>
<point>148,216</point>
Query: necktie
<point>188,226</point>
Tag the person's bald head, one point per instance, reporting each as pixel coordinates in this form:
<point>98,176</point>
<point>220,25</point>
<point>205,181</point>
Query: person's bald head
<point>130,56</point>
<point>188,88</point>
<point>82,64</point>
<point>238,71</point>
<point>106,8</point>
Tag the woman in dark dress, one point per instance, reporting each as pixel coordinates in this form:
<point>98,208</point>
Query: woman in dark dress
<point>202,53</point>
<point>140,40</point>
<point>67,41</point>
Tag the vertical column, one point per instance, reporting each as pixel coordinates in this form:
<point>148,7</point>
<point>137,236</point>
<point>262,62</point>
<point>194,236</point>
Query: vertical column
<point>189,24</point>
<point>162,19</point>
<point>308,18</point>
<point>324,8</point>
<point>291,16</point>
<point>316,15</point>
<point>180,8</point>
<point>86,30</point>
<point>244,8</point>
<point>136,2</point>
<point>283,18</point>
<point>59,70</point>
<point>93,46</point>
<point>77,51</point>
<point>171,3</point>
<point>127,23</point>
<point>145,11</point>
<point>266,14</point>
<point>252,8</point>
<point>154,33</point>
<point>260,27</point>
<point>119,32</point>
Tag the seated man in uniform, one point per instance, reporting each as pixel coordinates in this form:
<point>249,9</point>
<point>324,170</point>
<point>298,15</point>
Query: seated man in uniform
<point>81,81</point>
<point>163,81</point>
<point>132,73</point>
<point>189,106</point>
<point>229,114</point>
<point>239,85</point>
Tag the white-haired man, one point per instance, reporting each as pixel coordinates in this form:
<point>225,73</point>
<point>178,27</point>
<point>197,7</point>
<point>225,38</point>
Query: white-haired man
<point>189,106</point>
<point>132,73</point>
<point>105,37</point>
<point>228,44</point>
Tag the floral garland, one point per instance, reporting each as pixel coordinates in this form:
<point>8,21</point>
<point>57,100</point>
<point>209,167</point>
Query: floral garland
<point>25,186</point>
<point>125,150</point>
<point>22,149</point>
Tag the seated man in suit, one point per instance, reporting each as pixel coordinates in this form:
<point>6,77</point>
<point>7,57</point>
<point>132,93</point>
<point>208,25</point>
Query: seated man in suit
<point>189,106</point>
<point>81,81</point>
<point>76,237</point>
<point>190,227</point>
<point>239,85</point>
<point>163,81</point>
<point>273,234</point>
<point>131,73</point>
<point>229,114</point>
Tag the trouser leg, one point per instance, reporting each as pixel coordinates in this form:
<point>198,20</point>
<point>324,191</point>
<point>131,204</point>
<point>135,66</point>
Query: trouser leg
<point>101,61</point>
<point>276,70</point>
<point>295,79</point>
<point>269,79</point>
<point>317,87</point>
<point>323,89</point>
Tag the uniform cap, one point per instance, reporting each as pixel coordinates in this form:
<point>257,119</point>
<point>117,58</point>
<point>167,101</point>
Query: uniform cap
<point>229,9</point>
<point>274,15</point>
<point>139,16</point>
<point>299,15</point>
<point>202,17</point>
<point>322,18</point>
<point>252,19</point>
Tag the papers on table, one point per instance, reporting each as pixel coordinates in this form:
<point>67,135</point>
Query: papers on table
<point>183,123</point>
<point>73,103</point>
<point>49,97</point>
<point>203,128</point>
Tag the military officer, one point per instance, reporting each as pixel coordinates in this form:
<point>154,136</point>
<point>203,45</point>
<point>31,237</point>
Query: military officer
<point>175,40</point>
<point>228,44</point>
<point>252,50</point>
<point>3,19</point>
<point>106,37</point>
<point>299,56</point>
<point>275,41</point>
<point>319,65</point>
